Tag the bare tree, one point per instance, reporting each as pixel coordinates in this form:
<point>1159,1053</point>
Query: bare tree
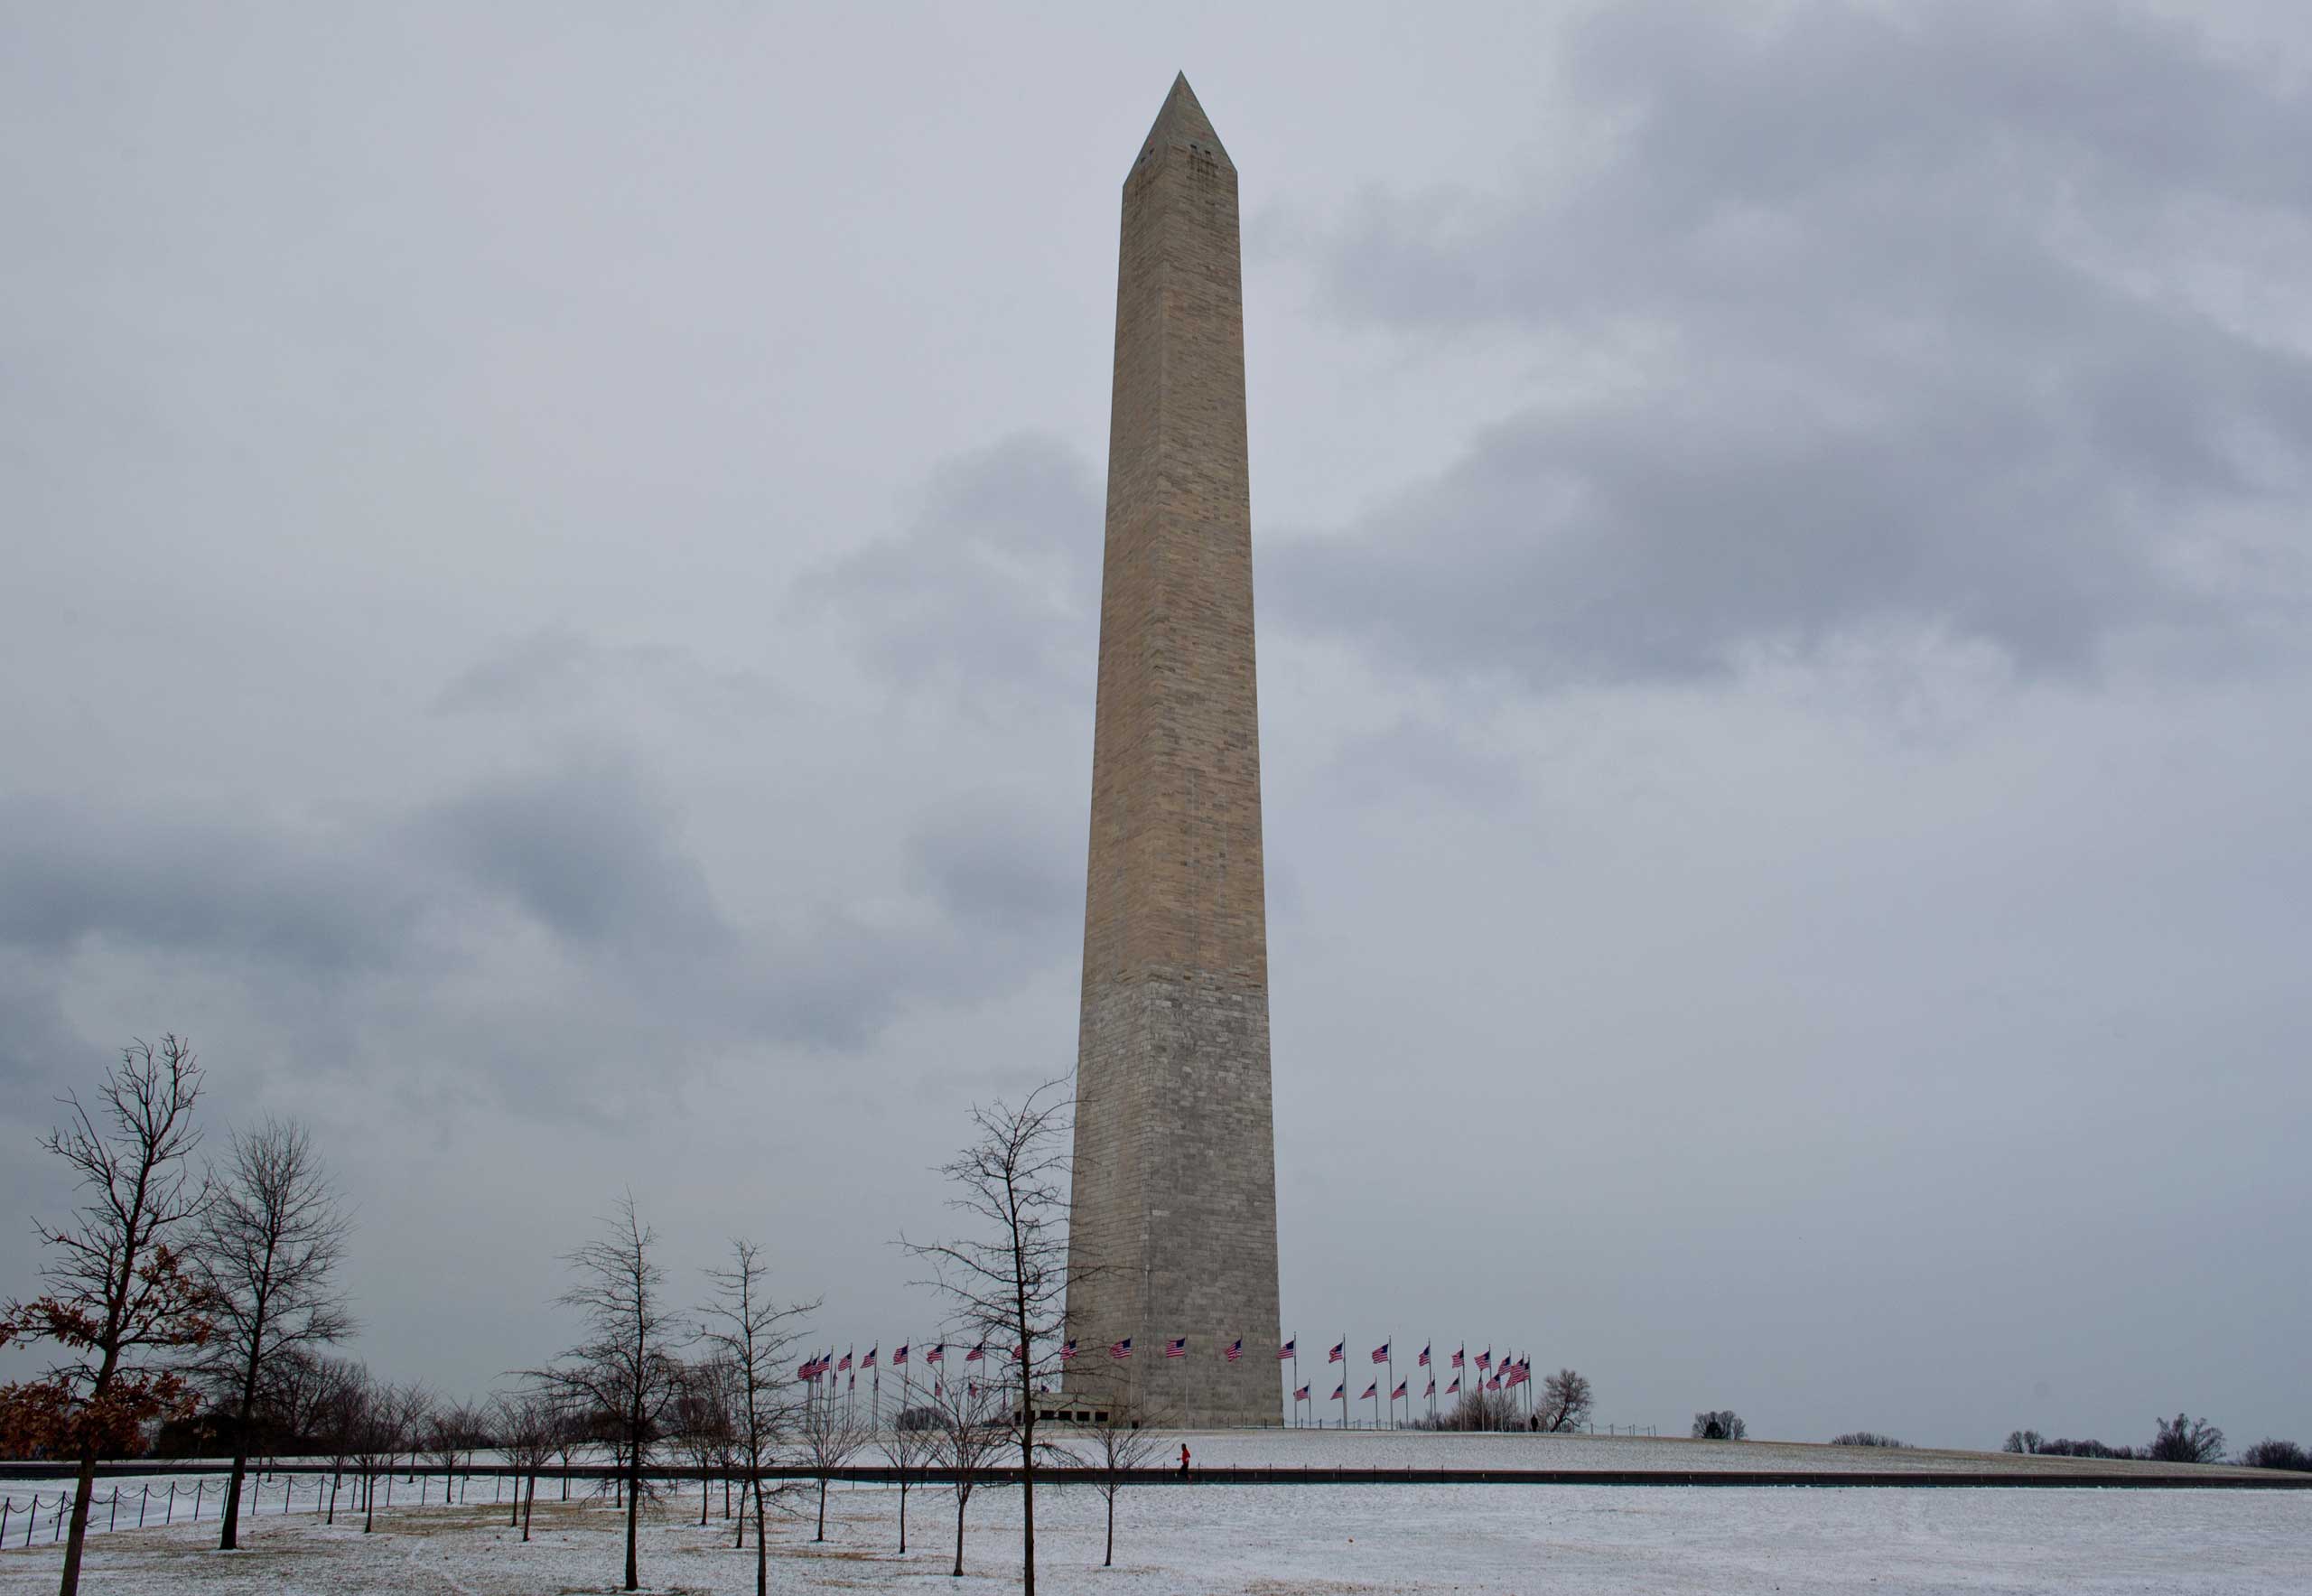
<point>754,1337</point>
<point>912,1442</point>
<point>118,1290</point>
<point>2023,1441</point>
<point>1008,1279</point>
<point>828,1436</point>
<point>1113,1441</point>
<point>525,1423</point>
<point>450,1434</point>
<point>626,1367</point>
<point>970,1433</point>
<point>702,1423</point>
<point>1566,1401</point>
<point>2186,1440</point>
<point>385,1422</point>
<point>1720,1425</point>
<point>1482,1410</point>
<point>269,1245</point>
<point>572,1433</point>
<point>2269,1453</point>
<point>288,1411</point>
<point>337,1410</point>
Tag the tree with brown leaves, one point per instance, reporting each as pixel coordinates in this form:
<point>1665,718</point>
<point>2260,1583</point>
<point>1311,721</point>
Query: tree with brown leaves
<point>118,1287</point>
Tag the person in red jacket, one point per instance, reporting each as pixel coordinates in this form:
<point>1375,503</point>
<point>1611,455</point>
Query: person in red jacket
<point>1184,1457</point>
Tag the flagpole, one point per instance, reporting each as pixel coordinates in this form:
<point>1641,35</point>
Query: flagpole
<point>1344,1379</point>
<point>1296,1379</point>
<point>1392,1382</point>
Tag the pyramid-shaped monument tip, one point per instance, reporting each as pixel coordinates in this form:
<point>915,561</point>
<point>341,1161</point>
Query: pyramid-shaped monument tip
<point>1182,125</point>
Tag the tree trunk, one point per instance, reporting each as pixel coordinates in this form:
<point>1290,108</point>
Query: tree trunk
<point>823,1508</point>
<point>1110,1560</point>
<point>633,1512</point>
<point>705,1496</point>
<point>762,1555</point>
<point>529,1505</point>
<point>231,1539</point>
<point>902,1517</point>
<point>960,1500</point>
<point>83,1488</point>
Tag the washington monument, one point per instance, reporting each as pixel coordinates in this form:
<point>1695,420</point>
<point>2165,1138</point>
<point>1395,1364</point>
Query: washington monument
<point>1174,1228</point>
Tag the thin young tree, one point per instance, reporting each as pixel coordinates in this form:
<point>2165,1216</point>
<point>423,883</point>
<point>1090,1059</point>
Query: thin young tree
<point>119,1291</point>
<point>827,1435</point>
<point>337,1413</point>
<point>702,1423</point>
<point>1115,1439</point>
<point>910,1442</point>
<point>450,1432</point>
<point>1009,1278</point>
<point>383,1420</point>
<point>626,1368</point>
<point>970,1433</point>
<point>754,1335</point>
<point>269,1249</point>
<point>525,1422</point>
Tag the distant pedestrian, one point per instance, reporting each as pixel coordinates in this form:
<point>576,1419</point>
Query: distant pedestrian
<point>1184,1457</point>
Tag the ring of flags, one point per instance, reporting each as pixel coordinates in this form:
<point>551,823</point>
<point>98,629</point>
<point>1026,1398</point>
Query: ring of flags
<point>1507,1374</point>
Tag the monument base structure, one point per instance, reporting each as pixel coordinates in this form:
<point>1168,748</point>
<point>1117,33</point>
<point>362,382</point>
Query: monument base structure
<point>1173,1233</point>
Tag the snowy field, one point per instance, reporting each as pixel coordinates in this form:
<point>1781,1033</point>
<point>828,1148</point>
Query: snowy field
<point>1282,1541</point>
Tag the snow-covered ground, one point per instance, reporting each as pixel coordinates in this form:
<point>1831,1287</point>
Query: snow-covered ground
<point>1281,1541</point>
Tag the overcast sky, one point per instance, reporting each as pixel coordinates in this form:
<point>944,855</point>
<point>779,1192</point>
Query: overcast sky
<point>548,566</point>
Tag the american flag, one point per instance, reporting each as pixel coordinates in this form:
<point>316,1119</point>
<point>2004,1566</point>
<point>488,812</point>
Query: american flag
<point>1381,1353</point>
<point>971,1387</point>
<point>1519,1372</point>
<point>937,1354</point>
<point>1455,1389</point>
<point>977,1353</point>
<point>845,1366</point>
<point>1290,1350</point>
<point>1302,1395</point>
<point>1121,1349</point>
<point>1019,1354</point>
<point>1336,1354</point>
<point>1177,1347</point>
<point>1424,1355</point>
<point>868,1361</point>
<point>1340,1392</point>
<point>1493,1384</point>
<point>1432,1387</point>
<point>1236,1349</point>
<point>1400,1391</point>
<point>1372,1392</point>
<point>939,1387</point>
<point>809,1371</point>
<point>1067,1353</point>
<point>1485,1358</point>
<point>1457,1356</point>
<point>900,1357</point>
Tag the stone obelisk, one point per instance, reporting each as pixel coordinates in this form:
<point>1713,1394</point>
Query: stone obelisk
<point>1174,1228</point>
